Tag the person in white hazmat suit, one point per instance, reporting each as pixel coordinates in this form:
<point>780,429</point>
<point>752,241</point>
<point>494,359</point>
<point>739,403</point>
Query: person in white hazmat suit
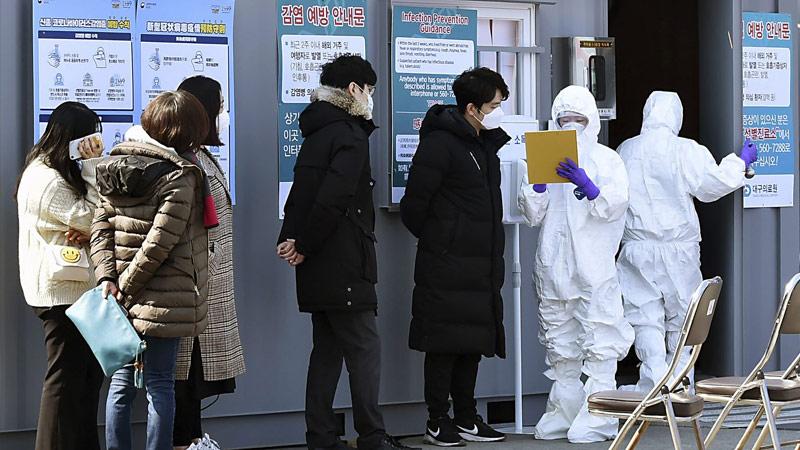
<point>582,324</point>
<point>659,265</point>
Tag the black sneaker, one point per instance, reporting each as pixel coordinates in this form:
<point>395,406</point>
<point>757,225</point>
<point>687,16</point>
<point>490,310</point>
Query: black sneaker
<point>443,433</point>
<point>391,443</point>
<point>477,431</point>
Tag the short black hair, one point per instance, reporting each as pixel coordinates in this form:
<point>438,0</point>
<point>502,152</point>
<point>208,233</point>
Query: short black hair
<point>478,86</point>
<point>347,69</point>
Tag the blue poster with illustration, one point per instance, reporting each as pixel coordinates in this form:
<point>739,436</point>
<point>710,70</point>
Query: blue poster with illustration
<point>430,48</point>
<point>178,39</point>
<point>117,55</point>
<point>767,100</point>
<point>310,34</point>
<point>83,51</point>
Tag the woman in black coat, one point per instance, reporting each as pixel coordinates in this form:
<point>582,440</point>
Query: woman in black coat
<point>453,205</point>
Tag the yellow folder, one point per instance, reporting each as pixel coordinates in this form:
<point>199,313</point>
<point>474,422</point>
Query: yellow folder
<point>545,149</point>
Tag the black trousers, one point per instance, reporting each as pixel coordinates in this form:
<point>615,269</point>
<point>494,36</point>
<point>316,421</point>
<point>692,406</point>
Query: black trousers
<point>71,390</point>
<point>352,338</point>
<point>450,375</point>
<point>189,393</point>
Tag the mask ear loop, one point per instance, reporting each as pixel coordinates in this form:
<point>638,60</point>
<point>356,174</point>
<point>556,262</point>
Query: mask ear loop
<point>476,117</point>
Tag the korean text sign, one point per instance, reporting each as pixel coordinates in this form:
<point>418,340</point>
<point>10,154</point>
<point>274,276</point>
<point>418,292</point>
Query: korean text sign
<point>178,39</point>
<point>115,56</point>
<point>310,34</point>
<point>83,51</point>
<point>767,99</point>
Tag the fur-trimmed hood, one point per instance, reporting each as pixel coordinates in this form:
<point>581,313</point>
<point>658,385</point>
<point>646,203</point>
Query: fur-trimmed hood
<point>331,105</point>
<point>343,100</point>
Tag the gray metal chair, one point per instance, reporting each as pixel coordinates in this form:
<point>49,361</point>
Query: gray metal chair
<point>670,400</point>
<point>770,392</point>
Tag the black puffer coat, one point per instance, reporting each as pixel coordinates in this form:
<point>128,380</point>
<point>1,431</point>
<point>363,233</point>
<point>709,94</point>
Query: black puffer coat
<point>329,211</point>
<point>453,205</point>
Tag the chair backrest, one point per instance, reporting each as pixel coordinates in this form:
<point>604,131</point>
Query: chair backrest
<point>706,298</point>
<point>791,317</point>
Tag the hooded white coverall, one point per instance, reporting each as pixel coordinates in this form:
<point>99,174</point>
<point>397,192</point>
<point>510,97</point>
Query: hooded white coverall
<point>583,328</point>
<point>659,266</point>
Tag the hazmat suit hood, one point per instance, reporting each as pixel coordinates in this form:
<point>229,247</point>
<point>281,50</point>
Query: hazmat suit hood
<point>663,110</point>
<point>578,99</point>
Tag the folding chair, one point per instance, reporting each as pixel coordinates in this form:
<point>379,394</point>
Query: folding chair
<point>670,400</point>
<point>770,392</point>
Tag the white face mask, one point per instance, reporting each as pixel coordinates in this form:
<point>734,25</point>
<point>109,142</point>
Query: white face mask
<point>370,104</point>
<point>223,123</point>
<point>577,126</point>
<point>492,120</point>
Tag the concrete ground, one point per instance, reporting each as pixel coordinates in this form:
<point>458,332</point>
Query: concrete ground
<point>656,438</point>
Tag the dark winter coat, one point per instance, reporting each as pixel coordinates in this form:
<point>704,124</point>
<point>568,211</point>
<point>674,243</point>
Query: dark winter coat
<point>329,211</point>
<point>453,205</point>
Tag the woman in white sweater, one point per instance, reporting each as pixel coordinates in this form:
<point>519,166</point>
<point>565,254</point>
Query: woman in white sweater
<point>56,198</point>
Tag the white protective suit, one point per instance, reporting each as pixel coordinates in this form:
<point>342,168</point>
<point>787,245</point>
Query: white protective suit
<point>659,266</point>
<point>583,328</point>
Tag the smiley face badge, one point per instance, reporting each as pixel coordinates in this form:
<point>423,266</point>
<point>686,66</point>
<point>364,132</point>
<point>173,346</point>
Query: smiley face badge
<point>71,255</point>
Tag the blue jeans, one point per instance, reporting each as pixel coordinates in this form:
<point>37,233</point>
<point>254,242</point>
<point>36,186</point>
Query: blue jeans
<point>159,381</point>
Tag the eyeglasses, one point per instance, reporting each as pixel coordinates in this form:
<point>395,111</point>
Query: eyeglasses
<point>369,91</point>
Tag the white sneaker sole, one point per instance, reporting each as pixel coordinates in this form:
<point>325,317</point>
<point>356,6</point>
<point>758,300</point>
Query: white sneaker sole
<point>428,439</point>
<point>473,438</point>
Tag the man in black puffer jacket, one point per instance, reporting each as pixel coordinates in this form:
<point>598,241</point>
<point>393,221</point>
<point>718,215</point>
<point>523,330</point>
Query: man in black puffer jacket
<point>453,205</point>
<point>328,237</point>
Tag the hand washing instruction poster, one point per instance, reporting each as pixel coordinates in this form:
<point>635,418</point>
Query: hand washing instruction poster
<point>115,56</point>
<point>83,51</point>
<point>430,48</point>
<point>767,116</point>
<point>310,34</point>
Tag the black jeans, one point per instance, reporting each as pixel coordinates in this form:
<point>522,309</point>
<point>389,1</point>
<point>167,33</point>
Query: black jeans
<point>450,375</point>
<point>352,338</point>
<point>71,390</point>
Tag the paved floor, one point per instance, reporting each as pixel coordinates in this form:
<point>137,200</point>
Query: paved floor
<point>656,438</point>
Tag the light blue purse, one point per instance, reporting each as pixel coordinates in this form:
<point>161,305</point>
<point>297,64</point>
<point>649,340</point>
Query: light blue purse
<point>104,325</point>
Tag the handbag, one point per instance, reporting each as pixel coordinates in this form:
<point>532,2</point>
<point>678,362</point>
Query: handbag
<point>104,325</point>
<point>65,263</point>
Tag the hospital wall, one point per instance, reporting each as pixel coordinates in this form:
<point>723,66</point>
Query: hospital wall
<point>267,408</point>
<point>755,250</point>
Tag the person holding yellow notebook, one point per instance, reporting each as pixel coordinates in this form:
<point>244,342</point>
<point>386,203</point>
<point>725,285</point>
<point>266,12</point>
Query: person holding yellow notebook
<point>582,324</point>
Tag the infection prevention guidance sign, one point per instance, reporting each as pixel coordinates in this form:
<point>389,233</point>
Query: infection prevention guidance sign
<point>310,34</point>
<point>430,48</point>
<point>767,118</point>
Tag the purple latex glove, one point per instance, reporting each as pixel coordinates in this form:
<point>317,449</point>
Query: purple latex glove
<point>578,177</point>
<point>539,188</point>
<point>749,153</point>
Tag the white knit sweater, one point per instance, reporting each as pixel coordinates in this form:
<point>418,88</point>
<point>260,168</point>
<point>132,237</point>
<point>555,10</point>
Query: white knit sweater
<point>47,204</point>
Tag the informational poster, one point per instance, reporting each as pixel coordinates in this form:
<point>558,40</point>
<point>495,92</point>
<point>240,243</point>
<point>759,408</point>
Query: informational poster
<point>310,34</point>
<point>115,56</point>
<point>178,39</point>
<point>83,51</point>
<point>430,48</point>
<point>767,118</point>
